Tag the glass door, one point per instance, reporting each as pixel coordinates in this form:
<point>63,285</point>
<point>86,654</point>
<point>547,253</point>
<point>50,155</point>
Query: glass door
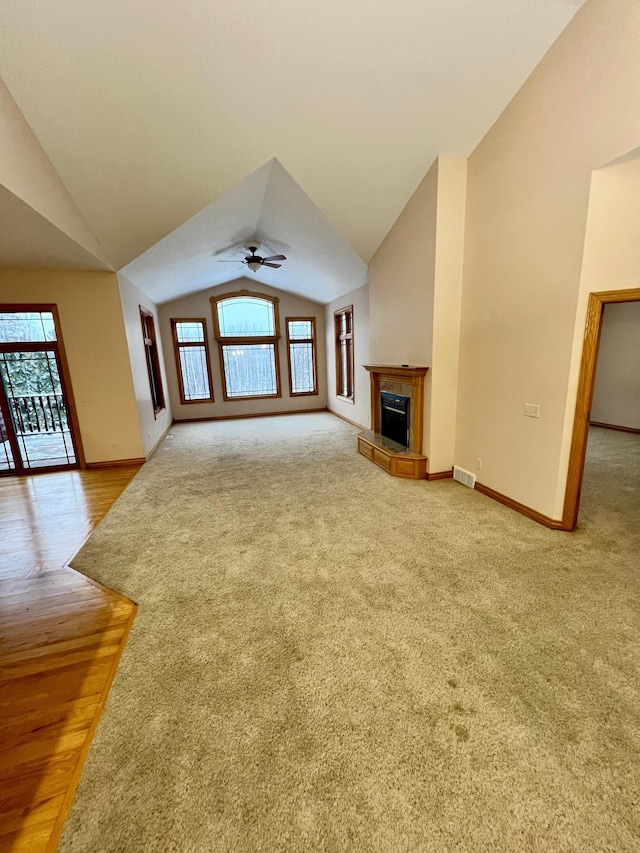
<point>35,428</point>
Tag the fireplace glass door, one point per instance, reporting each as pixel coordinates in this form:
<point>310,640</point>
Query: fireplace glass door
<point>394,417</point>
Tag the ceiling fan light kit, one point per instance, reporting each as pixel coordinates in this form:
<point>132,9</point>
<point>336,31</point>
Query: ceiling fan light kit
<point>254,262</point>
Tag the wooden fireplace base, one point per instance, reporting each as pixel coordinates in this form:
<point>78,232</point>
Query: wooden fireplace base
<point>391,456</point>
<point>395,459</point>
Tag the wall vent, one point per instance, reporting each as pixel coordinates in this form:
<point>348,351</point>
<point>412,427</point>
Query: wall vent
<point>464,477</point>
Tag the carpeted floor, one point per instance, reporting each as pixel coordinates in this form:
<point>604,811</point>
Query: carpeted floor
<point>330,659</point>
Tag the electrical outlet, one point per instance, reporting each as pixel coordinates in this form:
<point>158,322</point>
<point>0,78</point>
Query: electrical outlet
<point>532,410</point>
<point>479,463</point>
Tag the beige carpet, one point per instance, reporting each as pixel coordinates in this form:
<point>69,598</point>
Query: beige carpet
<point>330,659</point>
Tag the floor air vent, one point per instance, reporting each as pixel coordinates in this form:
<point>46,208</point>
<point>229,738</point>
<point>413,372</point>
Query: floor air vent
<point>464,477</point>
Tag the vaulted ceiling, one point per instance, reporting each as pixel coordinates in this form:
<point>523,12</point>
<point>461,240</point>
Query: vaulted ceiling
<point>151,112</point>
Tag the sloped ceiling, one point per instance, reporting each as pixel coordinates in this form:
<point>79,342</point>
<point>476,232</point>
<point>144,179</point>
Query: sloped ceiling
<point>151,111</point>
<point>267,208</point>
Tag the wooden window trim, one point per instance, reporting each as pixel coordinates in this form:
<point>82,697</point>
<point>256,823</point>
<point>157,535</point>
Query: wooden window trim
<point>348,336</point>
<point>314,351</point>
<point>177,345</point>
<point>151,351</point>
<point>247,341</point>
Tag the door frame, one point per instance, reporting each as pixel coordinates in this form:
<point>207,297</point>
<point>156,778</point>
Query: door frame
<point>586,382</point>
<point>61,357</point>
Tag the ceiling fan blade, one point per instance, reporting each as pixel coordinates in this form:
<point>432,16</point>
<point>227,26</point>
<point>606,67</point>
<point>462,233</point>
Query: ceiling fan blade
<point>232,262</point>
<point>275,266</point>
<point>276,258</point>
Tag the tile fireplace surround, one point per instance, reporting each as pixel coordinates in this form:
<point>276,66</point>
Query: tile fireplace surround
<point>399,461</point>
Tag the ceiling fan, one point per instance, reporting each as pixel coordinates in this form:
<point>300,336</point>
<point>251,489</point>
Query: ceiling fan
<point>254,262</point>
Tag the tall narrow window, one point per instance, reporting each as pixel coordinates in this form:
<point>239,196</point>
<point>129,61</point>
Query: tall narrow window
<point>153,360</point>
<point>192,360</point>
<point>301,352</point>
<point>344,353</point>
<point>246,327</point>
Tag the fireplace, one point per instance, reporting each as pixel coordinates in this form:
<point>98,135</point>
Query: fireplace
<point>394,417</point>
<point>394,441</point>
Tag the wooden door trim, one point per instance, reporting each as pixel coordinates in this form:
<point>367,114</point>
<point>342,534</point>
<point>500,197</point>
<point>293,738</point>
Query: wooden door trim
<point>586,381</point>
<point>58,349</point>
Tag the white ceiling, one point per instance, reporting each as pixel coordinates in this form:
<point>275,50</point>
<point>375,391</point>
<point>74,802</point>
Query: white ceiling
<point>151,111</point>
<point>267,209</point>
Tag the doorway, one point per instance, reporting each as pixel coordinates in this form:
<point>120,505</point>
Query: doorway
<point>586,382</point>
<point>38,428</point>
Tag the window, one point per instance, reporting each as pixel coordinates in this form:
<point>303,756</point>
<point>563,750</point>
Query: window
<point>153,361</point>
<point>301,352</point>
<point>246,327</point>
<point>344,353</point>
<point>192,360</point>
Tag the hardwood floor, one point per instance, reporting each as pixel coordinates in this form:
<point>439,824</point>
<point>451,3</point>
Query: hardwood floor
<point>61,637</point>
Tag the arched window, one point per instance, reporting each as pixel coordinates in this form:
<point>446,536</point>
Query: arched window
<point>247,329</point>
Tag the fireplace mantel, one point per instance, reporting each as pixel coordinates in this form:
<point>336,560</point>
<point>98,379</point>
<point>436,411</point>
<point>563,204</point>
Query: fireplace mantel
<point>403,371</point>
<point>402,379</point>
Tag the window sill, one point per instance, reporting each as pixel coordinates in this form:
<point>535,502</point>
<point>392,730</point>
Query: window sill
<point>346,399</point>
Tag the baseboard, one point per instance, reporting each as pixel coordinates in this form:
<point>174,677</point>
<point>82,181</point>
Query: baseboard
<point>159,441</point>
<point>521,508</point>
<point>348,420</point>
<point>117,463</point>
<point>250,415</point>
<point>440,475</point>
<point>634,430</point>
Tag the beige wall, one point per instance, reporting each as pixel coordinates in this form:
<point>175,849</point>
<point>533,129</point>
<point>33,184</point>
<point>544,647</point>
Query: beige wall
<point>27,172</point>
<point>443,375</point>
<point>198,305</point>
<point>96,348</point>
<point>401,281</point>
<point>152,426</point>
<point>527,197</point>
<point>611,252</point>
<point>360,410</point>
<point>616,398</point>
<point>415,281</point>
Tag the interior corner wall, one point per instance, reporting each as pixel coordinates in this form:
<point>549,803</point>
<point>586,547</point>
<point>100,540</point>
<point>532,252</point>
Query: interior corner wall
<point>152,427</point>
<point>27,172</point>
<point>616,396</point>
<point>198,305</point>
<point>96,349</point>
<point>359,411</point>
<point>401,289</point>
<point>452,191</point>
<point>527,198</point>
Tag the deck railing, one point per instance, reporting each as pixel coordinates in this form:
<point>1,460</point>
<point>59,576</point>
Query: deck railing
<point>39,413</point>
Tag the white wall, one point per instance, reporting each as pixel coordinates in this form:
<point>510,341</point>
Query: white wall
<point>198,305</point>
<point>152,426</point>
<point>616,397</point>
<point>358,411</point>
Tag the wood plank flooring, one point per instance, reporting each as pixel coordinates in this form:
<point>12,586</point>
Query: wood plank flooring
<point>61,637</point>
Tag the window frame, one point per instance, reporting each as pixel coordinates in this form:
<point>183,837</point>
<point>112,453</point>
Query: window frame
<point>314,353</point>
<point>339,337</point>
<point>247,340</point>
<point>178,345</point>
<point>152,358</point>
